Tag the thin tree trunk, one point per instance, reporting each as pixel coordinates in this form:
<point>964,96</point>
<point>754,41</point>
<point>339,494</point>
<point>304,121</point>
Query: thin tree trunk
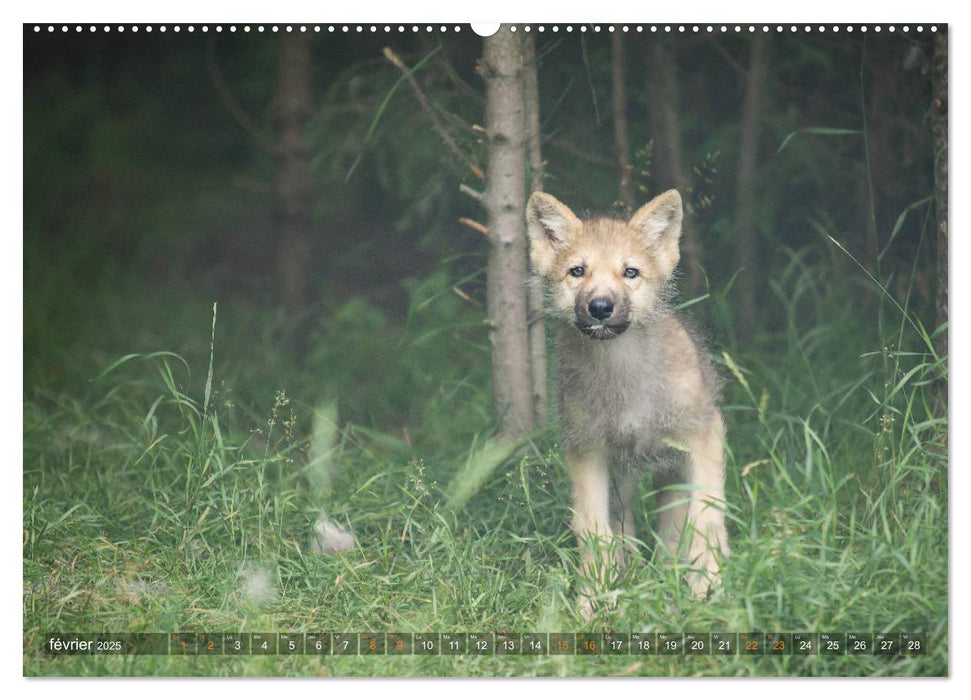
<point>746,228</point>
<point>939,129</point>
<point>505,203</point>
<point>669,167</point>
<point>535,314</point>
<point>621,142</point>
<point>291,107</point>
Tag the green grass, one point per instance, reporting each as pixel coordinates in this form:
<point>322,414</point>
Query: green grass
<point>164,494</point>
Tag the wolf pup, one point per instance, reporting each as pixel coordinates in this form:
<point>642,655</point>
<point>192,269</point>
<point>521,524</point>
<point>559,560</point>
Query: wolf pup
<point>636,391</point>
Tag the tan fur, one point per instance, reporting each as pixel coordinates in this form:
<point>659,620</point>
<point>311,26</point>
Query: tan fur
<point>636,391</point>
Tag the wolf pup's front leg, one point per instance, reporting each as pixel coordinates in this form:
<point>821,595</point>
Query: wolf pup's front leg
<point>694,527</point>
<point>590,474</point>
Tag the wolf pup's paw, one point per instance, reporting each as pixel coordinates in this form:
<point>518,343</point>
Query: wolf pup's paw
<point>585,606</point>
<point>702,583</point>
<point>705,575</point>
<point>588,605</point>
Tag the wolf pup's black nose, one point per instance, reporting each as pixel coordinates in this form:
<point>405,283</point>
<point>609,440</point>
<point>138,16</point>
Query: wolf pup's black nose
<point>601,308</point>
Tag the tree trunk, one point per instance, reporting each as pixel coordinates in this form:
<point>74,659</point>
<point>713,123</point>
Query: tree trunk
<point>939,130</point>
<point>291,107</point>
<point>669,167</point>
<point>621,142</point>
<point>505,203</point>
<point>535,313</point>
<point>746,232</point>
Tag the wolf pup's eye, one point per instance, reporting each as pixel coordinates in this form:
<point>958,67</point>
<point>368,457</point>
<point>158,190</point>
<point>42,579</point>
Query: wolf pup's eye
<point>577,271</point>
<point>631,272</point>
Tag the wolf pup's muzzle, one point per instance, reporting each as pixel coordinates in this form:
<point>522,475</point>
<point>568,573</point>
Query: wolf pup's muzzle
<point>601,318</point>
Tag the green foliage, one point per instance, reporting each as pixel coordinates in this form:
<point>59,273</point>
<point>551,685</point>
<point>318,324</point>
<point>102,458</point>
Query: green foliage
<point>146,509</point>
<point>372,141</point>
<point>427,379</point>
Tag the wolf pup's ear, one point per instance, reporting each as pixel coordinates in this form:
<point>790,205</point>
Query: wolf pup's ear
<point>549,224</point>
<point>659,222</point>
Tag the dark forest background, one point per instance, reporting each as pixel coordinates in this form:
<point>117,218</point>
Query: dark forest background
<point>149,173</point>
